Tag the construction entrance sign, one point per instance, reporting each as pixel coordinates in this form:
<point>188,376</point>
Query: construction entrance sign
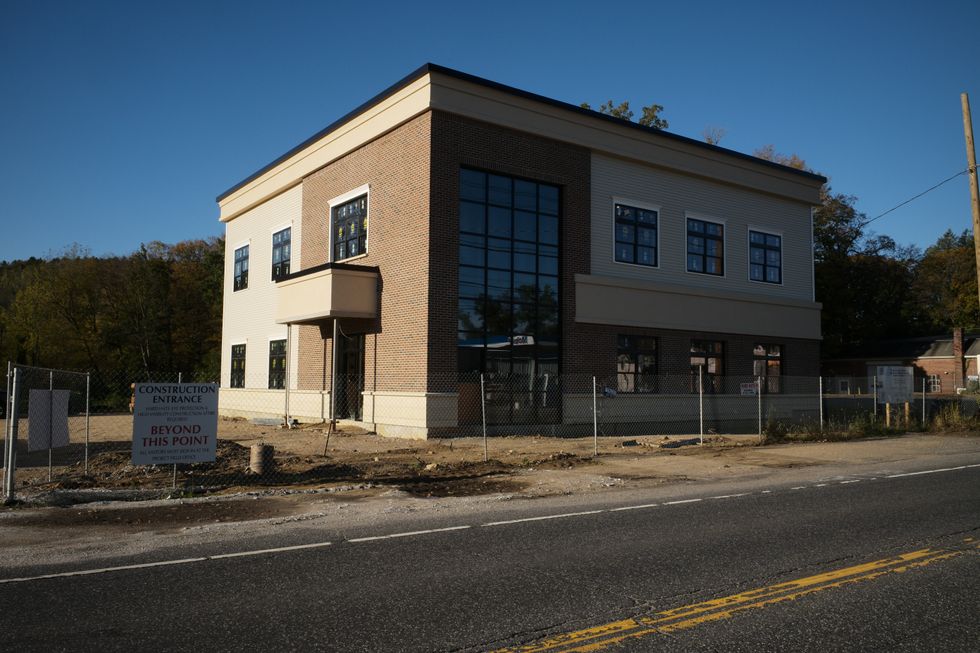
<point>175,423</point>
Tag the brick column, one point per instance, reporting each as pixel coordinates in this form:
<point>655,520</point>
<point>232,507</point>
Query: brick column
<point>958,380</point>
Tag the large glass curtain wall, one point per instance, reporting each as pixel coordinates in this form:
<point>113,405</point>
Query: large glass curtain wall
<point>508,287</point>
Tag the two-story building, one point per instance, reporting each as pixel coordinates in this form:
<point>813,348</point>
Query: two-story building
<point>453,226</point>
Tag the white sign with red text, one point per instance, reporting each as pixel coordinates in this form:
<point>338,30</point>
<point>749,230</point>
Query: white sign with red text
<point>175,423</point>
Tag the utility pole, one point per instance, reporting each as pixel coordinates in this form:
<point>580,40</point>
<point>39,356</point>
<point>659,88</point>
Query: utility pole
<point>971,158</point>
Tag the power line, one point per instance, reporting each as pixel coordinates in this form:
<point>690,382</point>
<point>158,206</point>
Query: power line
<point>912,199</point>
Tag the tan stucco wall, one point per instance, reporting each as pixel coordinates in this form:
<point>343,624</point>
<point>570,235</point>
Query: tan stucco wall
<point>248,316</point>
<point>627,302</point>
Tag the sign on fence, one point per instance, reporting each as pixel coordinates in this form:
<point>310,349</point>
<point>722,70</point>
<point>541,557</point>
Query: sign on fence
<point>175,423</point>
<point>749,389</point>
<point>47,419</point>
<point>894,384</point>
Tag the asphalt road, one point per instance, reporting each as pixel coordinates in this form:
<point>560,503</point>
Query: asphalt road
<point>864,563</point>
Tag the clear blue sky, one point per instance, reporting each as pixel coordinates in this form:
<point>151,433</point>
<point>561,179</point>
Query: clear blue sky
<point>121,121</point>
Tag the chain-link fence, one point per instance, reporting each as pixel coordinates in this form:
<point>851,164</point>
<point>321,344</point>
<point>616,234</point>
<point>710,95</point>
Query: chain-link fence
<point>74,431</point>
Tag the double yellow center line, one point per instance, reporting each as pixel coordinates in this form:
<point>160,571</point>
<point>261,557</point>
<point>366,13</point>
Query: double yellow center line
<point>689,616</point>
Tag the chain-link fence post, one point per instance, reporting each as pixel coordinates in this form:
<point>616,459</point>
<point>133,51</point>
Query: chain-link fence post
<point>483,413</point>
<point>50,422</point>
<point>820,391</point>
<point>12,419</point>
<point>923,402</point>
<point>6,412</point>
<point>874,385</point>
<point>758,393</point>
<point>88,416</point>
<point>595,420</point>
<point>701,402</point>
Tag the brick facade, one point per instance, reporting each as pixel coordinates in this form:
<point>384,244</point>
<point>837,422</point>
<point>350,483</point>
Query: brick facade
<point>413,239</point>
<point>799,357</point>
<point>459,142</point>
<point>396,166</point>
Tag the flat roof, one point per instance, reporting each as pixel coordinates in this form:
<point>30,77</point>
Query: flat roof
<point>435,68</point>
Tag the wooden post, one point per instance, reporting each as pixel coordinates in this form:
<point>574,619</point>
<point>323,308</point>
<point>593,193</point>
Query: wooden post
<point>908,415</point>
<point>888,416</point>
<point>971,158</point>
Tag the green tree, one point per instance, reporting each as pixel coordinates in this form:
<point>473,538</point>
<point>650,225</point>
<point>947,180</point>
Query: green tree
<point>649,118</point>
<point>944,292</point>
<point>60,312</point>
<point>861,278</point>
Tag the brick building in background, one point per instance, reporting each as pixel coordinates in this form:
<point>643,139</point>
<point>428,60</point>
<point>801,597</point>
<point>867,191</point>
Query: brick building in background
<point>946,363</point>
<point>452,226</point>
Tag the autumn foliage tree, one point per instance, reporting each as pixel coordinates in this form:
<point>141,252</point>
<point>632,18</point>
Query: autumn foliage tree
<point>155,311</point>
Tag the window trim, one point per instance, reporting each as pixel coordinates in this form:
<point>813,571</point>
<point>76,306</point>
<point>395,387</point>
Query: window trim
<point>702,217</point>
<point>486,267</point>
<point>635,352</point>
<point>708,376</point>
<point>231,359</point>
<point>766,387</point>
<point>272,262</point>
<point>748,254</point>
<point>365,190</point>
<point>639,205</point>
<point>234,251</point>
<point>285,356</point>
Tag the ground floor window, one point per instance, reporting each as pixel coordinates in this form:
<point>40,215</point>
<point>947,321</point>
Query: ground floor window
<point>238,366</point>
<point>767,362</point>
<point>707,363</point>
<point>935,383</point>
<point>636,364</point>
<point>277,364</point>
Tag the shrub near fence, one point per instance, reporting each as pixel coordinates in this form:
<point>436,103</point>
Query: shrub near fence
<point>625,405</point>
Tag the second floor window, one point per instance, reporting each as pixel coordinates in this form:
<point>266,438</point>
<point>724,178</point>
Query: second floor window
<point>636,235</point>
<point>705,247</point>
<point>765,257</point>
<point>281,253</point>
<point>350,228</point>
<point>241,268</point>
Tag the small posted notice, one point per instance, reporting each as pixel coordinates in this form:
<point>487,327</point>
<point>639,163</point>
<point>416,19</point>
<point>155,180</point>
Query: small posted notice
<point>894,383</point>
<point>175,423</point>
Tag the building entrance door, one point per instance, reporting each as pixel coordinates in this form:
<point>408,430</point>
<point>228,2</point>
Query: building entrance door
<point>350,376</point>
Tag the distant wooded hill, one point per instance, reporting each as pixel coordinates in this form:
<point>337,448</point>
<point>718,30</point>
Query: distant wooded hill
<point>155,311</point>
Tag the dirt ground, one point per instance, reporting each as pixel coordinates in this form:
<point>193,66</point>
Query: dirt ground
<point>306,457</point>
<point>305,460</point>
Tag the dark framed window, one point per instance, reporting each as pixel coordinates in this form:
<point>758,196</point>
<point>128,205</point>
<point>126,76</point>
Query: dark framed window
<point>281,251</point>
<point>767,362</point>
<point>277,364</point>
<point>636,364</point>
<point>241,268</point>
<point>708,360</point>
<point>705,247</point>
<point>636,235</point>
<point>350,228</point>
<point>509,291</point>
<point>238,366</point>
<point>765,257</point>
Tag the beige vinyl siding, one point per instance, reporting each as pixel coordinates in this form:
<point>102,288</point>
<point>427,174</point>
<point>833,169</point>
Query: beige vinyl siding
<point>680,196</point>
<point>249,314</point>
